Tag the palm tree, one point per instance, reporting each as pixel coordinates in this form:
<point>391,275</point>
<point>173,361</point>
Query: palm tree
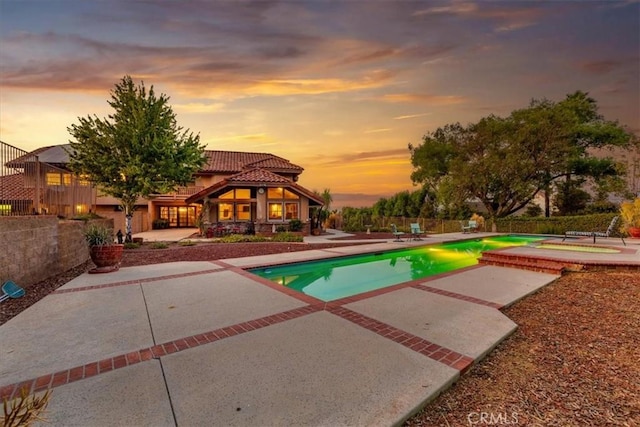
<point>322,212</point>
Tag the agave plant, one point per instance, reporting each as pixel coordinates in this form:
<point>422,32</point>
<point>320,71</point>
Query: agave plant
<point>98,235</point>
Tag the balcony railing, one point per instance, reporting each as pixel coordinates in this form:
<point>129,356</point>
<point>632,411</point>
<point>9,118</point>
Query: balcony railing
<point>29,186</point>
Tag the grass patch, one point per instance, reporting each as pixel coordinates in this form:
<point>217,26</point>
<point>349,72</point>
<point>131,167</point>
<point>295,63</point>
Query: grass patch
<point>186,243</point>
<point>159,245</point>
<point>131,245</point>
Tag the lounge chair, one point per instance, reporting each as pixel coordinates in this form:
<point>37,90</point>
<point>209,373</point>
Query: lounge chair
<point>471,227</point>
<point>415,231</point>
<point>397,234</point>
<point>610,230</point>
<point>11,290</point>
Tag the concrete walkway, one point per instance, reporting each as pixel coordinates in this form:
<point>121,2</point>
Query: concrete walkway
<point>207,343</point>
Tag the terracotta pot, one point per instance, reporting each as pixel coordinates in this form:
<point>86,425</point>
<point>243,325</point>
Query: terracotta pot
<point>634,232</point>
<point>106,258</point>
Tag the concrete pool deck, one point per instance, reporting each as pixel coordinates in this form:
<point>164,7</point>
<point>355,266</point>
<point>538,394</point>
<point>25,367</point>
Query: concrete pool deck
<point>206,343</point>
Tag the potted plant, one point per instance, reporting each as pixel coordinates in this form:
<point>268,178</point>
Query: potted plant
<point>104,252</point>
<point>630,213</point>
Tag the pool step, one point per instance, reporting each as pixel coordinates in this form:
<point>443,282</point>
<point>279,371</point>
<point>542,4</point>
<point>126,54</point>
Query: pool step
<point>542,265</point>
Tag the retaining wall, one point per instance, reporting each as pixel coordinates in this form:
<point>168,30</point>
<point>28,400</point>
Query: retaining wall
<point>34,248</point>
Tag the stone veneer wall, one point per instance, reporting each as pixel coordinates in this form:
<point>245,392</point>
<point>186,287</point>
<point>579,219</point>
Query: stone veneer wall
<point>34,248</point>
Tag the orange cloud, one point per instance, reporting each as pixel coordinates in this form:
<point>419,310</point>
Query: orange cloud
<point>424,98</point>
<point>411,116</point>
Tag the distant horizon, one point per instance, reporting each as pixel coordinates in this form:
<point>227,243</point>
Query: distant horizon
<point>340,88</point>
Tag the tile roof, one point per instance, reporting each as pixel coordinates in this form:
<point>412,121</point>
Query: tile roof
<point>260,176</point>
<point>12,188</point>
<point>236,161</point>
<point>255,177</point>
<point>217,160</point>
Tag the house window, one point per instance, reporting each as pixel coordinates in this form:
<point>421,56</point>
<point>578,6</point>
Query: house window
<point>243,193</point>
<point>57,178</point>
<point>83,180</point>
<point>54,178</point>
<point>225,211</point>
<point>281,193</point>
<point>281,205</point>
<point>290,195</point>
<point>238,193</point>
<point>234,205</point>
<point>291,210</point>
<point>275,211</point>
<point>274,193</point>
<point>243,211</point>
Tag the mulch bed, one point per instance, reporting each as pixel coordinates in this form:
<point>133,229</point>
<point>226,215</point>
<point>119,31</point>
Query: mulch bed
<point>573,361</point>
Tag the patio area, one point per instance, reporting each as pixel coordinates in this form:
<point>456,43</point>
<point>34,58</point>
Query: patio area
<point>206,343</point>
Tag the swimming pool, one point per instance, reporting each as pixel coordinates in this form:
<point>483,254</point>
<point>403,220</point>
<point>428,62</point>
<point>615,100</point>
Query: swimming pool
<point>336,278</point>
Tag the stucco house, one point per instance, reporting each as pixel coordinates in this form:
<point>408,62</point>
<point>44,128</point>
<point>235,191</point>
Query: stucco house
<point>256,188</point>
<point>233,190</point>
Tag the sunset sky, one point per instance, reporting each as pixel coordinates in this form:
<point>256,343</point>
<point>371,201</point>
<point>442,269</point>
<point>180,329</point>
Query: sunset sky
<point>339,88</point>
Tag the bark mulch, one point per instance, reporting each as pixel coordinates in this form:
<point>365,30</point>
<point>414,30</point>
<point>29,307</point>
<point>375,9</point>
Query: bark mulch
<point>573,361</point>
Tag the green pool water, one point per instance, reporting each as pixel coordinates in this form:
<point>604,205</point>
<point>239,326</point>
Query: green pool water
<point>336,278</point>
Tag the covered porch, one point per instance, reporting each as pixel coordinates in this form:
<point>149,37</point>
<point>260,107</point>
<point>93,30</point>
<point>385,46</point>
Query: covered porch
<point>251,202</point>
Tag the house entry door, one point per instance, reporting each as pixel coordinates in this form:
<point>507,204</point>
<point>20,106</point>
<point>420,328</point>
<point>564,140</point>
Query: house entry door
<point>179,216</point>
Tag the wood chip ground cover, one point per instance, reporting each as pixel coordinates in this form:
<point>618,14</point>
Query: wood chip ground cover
<point>573,361</point>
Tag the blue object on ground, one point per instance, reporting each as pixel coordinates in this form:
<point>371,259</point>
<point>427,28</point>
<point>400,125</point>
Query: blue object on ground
<point>11,290</point>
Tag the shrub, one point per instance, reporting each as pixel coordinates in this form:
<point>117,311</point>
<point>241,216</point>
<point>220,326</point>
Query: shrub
<point>159,245</point>
<point>281,229</point>
<point>533,210</point>
<point>548,228</point>
<point>241,238</point>
<point>131,245</point>
<point>186,243</point>
<point>287,237</point>
<point>295,225</point>
<point>86,216</point>
<point>630,213</point>
<point>553,225</point>
<point>160,223</point>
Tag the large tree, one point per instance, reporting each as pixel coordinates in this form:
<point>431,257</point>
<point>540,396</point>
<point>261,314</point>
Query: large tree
<point>565,133</point>
<point>505,162</point>
<point>138,150</point>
